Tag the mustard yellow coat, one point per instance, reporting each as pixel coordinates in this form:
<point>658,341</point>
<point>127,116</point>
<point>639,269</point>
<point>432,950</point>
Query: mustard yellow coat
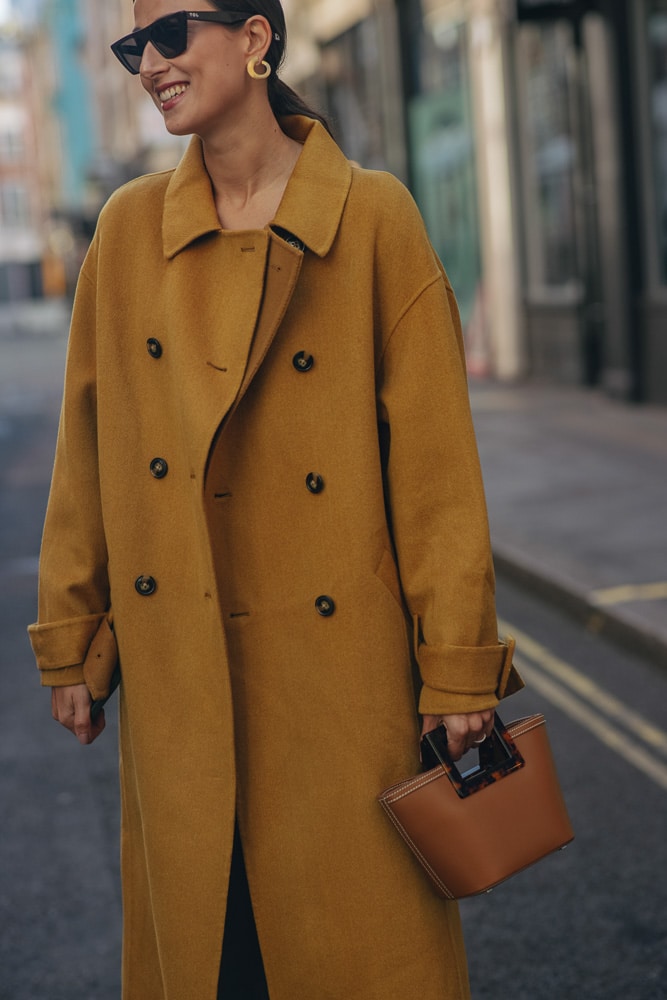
<point>266,469</point>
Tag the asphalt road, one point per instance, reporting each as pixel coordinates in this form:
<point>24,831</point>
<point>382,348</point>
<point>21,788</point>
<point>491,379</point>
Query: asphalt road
<point>587,924</point>
<point>59,890</point>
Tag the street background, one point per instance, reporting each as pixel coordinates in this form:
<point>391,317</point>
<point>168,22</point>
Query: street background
<point>577,494</point>
<point>533,135</point>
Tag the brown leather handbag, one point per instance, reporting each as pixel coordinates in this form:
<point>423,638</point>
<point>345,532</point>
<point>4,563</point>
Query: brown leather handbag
<point>472,831</point>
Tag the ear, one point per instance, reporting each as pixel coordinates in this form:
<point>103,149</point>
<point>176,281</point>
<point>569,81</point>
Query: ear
<point>259,35</point>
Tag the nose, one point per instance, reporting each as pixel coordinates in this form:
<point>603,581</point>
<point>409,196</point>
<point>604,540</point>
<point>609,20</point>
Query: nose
<point>152,62</point>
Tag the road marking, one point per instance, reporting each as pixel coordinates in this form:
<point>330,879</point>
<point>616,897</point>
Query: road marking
<point>588,690</point>
<point>607,597</point>
<point>592,707</point>
<point>623,746</point>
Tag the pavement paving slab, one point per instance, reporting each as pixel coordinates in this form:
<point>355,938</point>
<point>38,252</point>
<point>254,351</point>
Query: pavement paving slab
<point>576,486</point>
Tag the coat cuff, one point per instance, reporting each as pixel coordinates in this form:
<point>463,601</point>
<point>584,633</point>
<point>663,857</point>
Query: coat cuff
<point>466,678</point>
<point>76,651</point>
<point>65,643</point>
<point>63,677</point>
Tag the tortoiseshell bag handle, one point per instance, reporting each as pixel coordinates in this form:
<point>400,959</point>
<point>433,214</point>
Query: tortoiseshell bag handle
<point>498,757</point>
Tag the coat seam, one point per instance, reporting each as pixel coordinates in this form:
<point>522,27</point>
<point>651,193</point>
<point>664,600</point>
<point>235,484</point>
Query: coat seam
<point>409,305</point>
<point>84,274</point>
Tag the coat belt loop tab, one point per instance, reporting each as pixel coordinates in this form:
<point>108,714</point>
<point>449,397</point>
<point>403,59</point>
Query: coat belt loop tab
<point>506,670</point>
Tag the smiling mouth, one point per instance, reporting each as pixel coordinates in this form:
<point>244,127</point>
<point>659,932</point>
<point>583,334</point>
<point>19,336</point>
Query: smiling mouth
<point>170,93</point>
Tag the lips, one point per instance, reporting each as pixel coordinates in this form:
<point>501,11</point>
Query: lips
<point>168,95</point>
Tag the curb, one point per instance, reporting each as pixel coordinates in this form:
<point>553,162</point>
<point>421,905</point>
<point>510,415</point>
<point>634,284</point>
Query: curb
<point>619,624</point>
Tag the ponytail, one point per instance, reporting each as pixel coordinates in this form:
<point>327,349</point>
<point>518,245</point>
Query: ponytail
<point>285,101</point>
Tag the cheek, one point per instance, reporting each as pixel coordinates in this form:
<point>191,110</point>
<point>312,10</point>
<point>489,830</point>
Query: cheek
<point>148,87</point>
<point>230,78</point>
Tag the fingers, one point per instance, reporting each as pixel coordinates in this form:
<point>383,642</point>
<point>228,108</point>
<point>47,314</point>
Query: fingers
<point>464,732</point>
<point>480,728</point>
<point>70,706</point>
<point>430,722</point>
<point>457,727</point>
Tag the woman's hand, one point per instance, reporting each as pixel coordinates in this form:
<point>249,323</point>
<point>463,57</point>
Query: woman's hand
<point>70,706</point>
<point>464,732</point>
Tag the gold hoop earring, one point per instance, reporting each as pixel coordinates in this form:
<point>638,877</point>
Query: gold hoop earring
<point>252,69</point>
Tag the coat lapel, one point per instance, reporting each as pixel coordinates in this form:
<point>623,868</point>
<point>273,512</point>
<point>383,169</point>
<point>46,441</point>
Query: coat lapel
<point>212,301</point>
<point>314,200</point>
<point>282,274</point>
<point>189,207</point>
<point>311,208</point>
<point>233,327</point>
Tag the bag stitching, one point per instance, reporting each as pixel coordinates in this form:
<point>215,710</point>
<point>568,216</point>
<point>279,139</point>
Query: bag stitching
<point>418,854</point>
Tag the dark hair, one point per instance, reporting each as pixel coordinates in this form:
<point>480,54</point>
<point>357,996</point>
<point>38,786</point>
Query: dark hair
<point>283,100</point>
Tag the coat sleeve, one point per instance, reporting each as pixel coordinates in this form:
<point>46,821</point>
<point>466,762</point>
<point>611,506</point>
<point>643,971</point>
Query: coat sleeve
<point>73,581</point>
<point>437,508</point>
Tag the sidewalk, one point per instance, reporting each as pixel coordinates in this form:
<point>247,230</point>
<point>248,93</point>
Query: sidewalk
<point>34,318</point>
<point>577,492</point>
<point>32,359</point>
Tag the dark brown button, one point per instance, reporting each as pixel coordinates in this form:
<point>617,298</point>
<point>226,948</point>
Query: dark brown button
<point>314,482</point>
<point>295,242</point>
<point>145,585</point>
<point>303,362</point>
<point>159,468</point>
<point>154,347</point>
<point>290,238</point>
<point>325,606</point>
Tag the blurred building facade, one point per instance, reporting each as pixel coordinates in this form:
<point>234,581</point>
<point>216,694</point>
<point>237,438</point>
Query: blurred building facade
<point>534,137</point>
<point>130,135</point>
<point>73,127</point>
<point>24,182</point>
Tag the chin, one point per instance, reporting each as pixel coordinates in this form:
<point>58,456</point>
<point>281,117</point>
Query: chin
<point>175,129</point>
<point>178,125</point>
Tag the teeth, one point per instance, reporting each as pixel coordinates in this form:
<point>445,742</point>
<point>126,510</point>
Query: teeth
<point>171,92</point>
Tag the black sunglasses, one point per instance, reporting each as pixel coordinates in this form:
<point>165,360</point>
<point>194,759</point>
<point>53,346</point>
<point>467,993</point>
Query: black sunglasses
<point>169,35</point>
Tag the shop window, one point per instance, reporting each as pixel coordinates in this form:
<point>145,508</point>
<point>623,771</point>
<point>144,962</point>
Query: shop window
<point>352,82</point>
<point>13,125</point>
<point>657,68</point>
<point>548,130</point>
<point>442,147</point>
<point>14,206</point>
<point>11,70</point>
<point>12,146</point>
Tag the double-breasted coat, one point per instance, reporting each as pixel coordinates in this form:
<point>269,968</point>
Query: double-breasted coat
<point>266,472</point>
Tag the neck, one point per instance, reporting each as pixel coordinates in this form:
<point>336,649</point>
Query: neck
<point>250,157</point>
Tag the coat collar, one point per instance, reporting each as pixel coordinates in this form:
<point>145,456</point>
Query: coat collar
<point>311,207</point>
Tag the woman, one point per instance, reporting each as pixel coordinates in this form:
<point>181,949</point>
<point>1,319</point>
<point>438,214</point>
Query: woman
<point>266,473</point>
